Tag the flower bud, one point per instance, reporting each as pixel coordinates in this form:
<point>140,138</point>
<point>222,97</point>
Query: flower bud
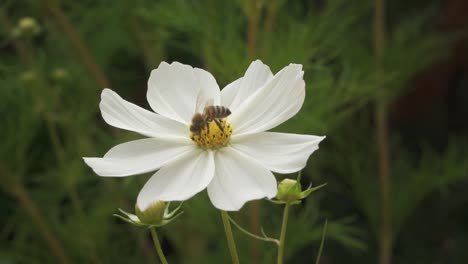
<point>28,77</point>
<point>153,215</point>
<point>59,75</point>
<point>28,27</point>
<point>156,215</point>
<point>289,191</point>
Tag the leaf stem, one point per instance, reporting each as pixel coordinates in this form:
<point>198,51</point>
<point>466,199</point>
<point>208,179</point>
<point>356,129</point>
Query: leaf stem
<point>230,237</point>
<point>264,238</point>
<point>284,226</point>
<point>157,245</point>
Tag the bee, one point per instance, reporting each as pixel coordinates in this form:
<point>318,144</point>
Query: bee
<point>210,113</point>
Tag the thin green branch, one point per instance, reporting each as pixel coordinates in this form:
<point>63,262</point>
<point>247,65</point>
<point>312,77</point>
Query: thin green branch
<point>322,242</point>
<point>264,238</point>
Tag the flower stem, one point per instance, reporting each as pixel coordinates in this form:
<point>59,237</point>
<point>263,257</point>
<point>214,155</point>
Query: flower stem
<point>385,235</point>
<point>230,237</point>
<point>157,245</point>
<point>252,27</point>
<point>284,225</point>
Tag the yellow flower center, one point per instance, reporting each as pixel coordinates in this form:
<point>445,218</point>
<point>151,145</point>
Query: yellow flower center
<point>215,134</point>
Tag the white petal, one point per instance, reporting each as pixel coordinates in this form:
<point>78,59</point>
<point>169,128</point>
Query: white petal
<point>278,152</point>
<point>173,90</point>
<point>122,114</point>
<point>234,94</point>
<point>228,93</point>
<point>275,102</point>
<point>237,180</point>
<point>179,180</point>
<point>139,156</point>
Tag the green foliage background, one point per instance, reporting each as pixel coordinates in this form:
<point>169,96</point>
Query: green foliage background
<point>54,209</point>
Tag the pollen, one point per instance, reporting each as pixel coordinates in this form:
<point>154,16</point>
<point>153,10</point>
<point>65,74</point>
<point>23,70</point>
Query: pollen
<point>213,135</point>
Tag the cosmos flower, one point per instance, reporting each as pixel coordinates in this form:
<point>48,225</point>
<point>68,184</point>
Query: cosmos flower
<point>232,156</point>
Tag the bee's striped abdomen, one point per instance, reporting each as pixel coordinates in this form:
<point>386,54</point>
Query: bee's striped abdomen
<point>216,112</point>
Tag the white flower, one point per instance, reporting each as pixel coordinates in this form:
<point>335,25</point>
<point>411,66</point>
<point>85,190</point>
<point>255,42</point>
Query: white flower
<point>237,165</point>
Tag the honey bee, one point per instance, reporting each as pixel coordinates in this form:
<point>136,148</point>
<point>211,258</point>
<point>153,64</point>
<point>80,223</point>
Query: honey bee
<point>210,113</point>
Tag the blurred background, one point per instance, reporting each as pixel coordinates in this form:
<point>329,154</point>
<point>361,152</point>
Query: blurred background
<point>386,82</point>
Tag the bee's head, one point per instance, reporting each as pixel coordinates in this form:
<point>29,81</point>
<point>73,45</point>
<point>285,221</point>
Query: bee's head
<point>197,118</point>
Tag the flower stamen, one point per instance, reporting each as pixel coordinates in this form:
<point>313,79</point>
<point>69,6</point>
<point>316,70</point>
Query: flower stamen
<point>215,134</point>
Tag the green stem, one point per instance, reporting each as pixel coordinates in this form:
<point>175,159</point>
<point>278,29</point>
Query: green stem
<point>264,238</point>
<point>284,225</point>
<point>322,242</point>
<point>252,28</point>
<point>230,237</point>
<point>299,175</point>
<point>385,235</point>
<point>157,245</point>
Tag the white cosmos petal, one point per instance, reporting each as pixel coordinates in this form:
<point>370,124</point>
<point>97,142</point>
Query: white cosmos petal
<point>228,93</point>
<point>237,180</point>
<point>275,102</point>
<point>139,156</point>
<point>208,85</point>
<point>278,152</point>
<point>122,114</point>
<point>234,94</point>
<point>173,90</point>
<point>180,179</point>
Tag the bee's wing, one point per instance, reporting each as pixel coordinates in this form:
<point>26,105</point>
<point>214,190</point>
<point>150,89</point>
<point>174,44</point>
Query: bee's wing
<point>202,102</point>
<point>209,102</point>
<point>199,104</point>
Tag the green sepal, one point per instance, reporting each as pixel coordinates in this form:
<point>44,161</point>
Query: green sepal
<point>168,217</point>
<point>310,190</point>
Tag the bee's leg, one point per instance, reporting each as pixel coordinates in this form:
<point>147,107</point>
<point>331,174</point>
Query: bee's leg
<point>207,125</point>
<point>219,124</point>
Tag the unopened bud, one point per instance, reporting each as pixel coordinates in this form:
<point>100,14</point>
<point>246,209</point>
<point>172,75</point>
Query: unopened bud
<point>156,215</point>
<point>28,27</point>
<point>28,76</point>
<point>59,75</point>
<point>289,190</point>
<point>153,214</point>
